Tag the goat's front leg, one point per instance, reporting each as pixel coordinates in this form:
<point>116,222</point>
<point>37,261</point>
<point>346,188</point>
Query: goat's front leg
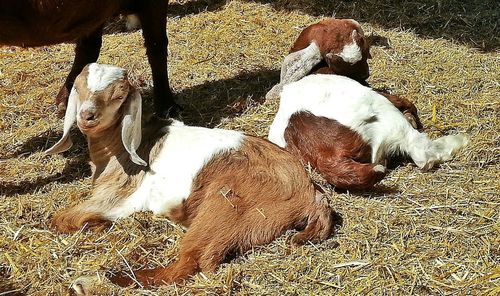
<point>96,212</point>
<point>153,19</point>
<point>86,51</point>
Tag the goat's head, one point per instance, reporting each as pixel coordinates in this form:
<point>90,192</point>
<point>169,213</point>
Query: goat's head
<point>341,43</point>
<point>351,58</point>
<point>100,100</point>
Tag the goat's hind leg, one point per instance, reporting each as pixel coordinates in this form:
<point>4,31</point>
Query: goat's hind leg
<point>346,173</point>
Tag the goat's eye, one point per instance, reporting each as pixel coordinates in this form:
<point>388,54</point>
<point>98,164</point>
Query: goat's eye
<point>118,98</point>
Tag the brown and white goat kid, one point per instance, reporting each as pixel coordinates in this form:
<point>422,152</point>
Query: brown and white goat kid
<point>332,46</point>
<point>347,131</point>
<point>233,191</point>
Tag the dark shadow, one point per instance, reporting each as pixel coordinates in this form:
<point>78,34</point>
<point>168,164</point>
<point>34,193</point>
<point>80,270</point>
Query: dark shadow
<point>208,103</point>
<point>76,166</point>
<point>475,23</point>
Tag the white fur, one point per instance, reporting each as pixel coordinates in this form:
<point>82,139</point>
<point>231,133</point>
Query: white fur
<point>351,53</point>
<point>370,114</point>
<point>184,153</point>
<point>100,76</point>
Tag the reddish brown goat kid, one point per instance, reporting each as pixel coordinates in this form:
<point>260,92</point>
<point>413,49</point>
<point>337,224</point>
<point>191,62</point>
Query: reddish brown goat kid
<point>233,191</point>
<point>30,23</point>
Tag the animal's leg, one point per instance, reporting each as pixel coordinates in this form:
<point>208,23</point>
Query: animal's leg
<point>97,211</point>
<point>86,51</point>
<point>406,107</point>
<point>153,17</point>
<point>177,272</point>
<point>346,173</point>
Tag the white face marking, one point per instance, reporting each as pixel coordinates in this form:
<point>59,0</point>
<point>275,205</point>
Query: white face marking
<point>100,76</point>
<point>351,53</point>
<point>184,153</point>
<point>87,105</point>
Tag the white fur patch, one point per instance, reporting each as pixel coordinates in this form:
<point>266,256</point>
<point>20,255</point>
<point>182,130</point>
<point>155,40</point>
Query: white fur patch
<point>351,53</point>
<point>184,153</point>
<point>100,76</point>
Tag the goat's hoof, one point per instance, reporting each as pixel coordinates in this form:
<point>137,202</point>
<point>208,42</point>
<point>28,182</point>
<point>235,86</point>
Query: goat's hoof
<point>61,110</point>
<point>379,168</point>
<point>90,285</point>
<point>173,111</point>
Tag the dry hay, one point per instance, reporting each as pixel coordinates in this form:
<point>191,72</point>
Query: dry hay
<point>417,233</point>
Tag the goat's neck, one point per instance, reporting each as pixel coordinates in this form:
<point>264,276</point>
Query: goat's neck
<point>105,145</point>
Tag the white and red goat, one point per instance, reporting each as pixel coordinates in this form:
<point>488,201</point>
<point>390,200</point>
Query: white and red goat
<point>233,191</point>
<point>347,131</point>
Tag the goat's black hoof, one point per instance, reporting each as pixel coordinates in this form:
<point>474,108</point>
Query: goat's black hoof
<point>173,111</point>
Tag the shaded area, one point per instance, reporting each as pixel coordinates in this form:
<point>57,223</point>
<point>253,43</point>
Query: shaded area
<point>76,166</point>
<point>207,104</point>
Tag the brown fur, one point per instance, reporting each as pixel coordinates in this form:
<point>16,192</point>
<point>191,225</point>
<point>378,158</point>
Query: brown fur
<point>339,154</point>
<point>44,22</point>
<point>331,35</point>
<point>241,199</point>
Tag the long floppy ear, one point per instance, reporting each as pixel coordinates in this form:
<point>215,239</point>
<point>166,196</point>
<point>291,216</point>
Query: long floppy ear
<point>69,119</point>
<point>298,64</point>
<point>131,126</point>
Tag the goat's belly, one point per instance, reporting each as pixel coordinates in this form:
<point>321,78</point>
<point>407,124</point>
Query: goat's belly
<point>184,153</point>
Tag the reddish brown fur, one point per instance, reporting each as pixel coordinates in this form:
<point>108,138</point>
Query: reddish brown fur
<point>45,22</point>
<point>331,35</point>
<point>239,200</point>
<point>339,153</point>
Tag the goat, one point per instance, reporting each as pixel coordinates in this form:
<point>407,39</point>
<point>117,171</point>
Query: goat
<point>347,131</point>
<point>233,191</point>
<point>45,22</point>
<point>331,46</point>
<point>335,46</point>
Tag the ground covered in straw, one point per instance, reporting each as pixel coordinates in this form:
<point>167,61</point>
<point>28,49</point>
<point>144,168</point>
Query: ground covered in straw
<point>420,233</point>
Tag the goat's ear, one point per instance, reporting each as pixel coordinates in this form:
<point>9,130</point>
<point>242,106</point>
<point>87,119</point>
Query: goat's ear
<point>131,126</point>
<point>298,64</point>
<point>69,119</point>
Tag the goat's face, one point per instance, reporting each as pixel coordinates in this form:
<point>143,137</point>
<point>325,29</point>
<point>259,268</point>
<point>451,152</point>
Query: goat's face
<point>101,90</point>
<point>102,98</point>
<point>351,59</point>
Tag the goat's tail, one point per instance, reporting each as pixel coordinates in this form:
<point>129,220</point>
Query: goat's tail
<point>319,222</point>
<point>437,151</point>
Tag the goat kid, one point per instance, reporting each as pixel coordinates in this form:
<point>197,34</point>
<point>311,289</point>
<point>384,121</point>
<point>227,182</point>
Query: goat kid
<point>45,22</point>
<point>347,131</point>
<point>233,191</point>
<point>332,46</point>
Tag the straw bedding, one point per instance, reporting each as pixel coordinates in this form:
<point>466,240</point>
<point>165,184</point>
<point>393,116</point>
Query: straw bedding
<point>418,233</point>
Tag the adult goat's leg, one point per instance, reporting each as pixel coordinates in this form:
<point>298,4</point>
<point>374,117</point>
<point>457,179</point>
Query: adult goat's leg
<point>86,51</point>
<point>153,17</point>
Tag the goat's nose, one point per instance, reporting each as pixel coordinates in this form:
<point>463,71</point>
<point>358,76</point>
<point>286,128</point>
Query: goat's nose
<point>88,115</point>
